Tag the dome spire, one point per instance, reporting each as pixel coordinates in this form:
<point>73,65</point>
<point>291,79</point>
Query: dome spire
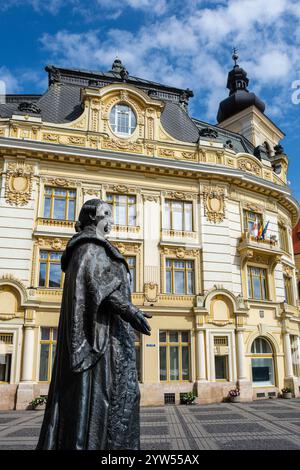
<point>234,55</point>
<point>239,96</point>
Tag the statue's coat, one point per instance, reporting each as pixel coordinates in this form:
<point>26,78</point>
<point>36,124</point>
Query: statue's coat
<point>93,400</point>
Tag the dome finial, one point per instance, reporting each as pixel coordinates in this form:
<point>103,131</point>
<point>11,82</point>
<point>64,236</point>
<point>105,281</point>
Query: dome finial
<point>235,55</point>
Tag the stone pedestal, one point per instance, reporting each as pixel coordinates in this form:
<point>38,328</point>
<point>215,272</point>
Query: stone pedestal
<point>246,390</point>
<point>213,392</point>
<point>293,383</point>
<point>25,395</point>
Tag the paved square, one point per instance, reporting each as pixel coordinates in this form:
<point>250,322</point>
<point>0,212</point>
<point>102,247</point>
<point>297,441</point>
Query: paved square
<point>273,424</point>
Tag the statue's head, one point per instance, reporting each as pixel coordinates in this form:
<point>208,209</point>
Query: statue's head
<point>95,213</point>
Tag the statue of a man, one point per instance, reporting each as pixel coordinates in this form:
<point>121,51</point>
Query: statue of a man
<point>93,400</point>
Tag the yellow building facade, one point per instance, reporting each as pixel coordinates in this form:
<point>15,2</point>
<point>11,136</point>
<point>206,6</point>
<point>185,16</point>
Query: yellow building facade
<point>185,196</point>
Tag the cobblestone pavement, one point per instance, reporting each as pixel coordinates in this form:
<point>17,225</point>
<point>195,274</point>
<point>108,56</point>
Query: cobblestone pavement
<point>263,425</point>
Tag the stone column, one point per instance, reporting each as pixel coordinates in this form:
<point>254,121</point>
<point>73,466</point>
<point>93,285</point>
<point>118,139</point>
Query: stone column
<point>28,355</point>
<point>288,355</point>
<point>201,360</point>
<point>25,392</point>
<point>240,355</point>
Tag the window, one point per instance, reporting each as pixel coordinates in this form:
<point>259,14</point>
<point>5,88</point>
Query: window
<point>131,261</point>
<point>295,348</point>
<point>283,238</point>
<point>178,215</point>
<point>138,354</point>
<point>59,203</point>
<point>221,357</point>
<point>174,355</point>
<point>221,367</point>
<point>123,208</point>
<point>288,290</point>
<point>5,367</point>
<point>122,120</point>
<point>179,276</point>
<point>257,283</point>
<point>250,218</point>
<point>47,352</point>
<point>262,363</point>
<point>50,274</point>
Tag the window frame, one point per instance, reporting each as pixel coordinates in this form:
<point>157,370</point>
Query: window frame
<point>288,289</point>
<point>67,198</point>
<point>134,286</point>
<point>167,344</point>
<point>114,204</point>
<point>185,270</point>
<point>114,125</point>
<point>51,342</point>
<point>246,213</point>
<point>250,279</point>
<point>283,237</point>
<point>269,355</point>
<point>170,202</point>
<point>48,263</point>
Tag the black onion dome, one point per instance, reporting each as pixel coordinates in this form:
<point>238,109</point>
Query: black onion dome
<point>239,97</point>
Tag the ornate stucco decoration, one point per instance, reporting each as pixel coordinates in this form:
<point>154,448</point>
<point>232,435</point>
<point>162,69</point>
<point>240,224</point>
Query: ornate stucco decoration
<point>192,156</point>
<point>127,248</point>
<point>151,197</point>
<point>18,184</point>
<point>96,192</point>
<point>253,206</point>
<point>179,195</point>
<point>166,153</point>
<point>249,166</point>
<point>63,182</point>
<point>151,291</point>
<point>214,204</point>
<point>287,270</point>
<point>53,138</point>
<point>179,252</point>
<point>56,244</point>
<point>122,145</point>
<point>120,189</point>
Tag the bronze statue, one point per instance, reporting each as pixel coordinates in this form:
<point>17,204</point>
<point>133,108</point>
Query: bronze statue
<point>93,400</point>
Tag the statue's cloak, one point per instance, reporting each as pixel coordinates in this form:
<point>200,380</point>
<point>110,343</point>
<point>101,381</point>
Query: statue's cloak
<point>93,400</point>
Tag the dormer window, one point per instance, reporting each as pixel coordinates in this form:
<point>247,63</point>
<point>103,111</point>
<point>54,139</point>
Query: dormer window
<point>122,120</point>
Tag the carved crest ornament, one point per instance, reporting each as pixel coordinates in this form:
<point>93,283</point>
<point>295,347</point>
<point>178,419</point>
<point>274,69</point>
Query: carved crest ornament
<point>214,204</point>
<point>18,185</point>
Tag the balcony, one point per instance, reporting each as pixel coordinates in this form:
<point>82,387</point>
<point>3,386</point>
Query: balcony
<point>265,251</point>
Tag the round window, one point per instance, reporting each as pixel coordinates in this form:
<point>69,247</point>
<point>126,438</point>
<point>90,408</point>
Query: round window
<point>122,120</point>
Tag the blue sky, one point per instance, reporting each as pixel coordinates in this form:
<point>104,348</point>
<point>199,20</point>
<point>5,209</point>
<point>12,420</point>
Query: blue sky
<point>186,44</point>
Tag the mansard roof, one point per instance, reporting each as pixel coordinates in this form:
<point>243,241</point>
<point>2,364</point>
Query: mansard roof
<point>61,103</point>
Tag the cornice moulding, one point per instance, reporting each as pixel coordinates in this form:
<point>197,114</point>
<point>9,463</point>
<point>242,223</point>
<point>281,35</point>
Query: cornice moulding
<point>198,169</point>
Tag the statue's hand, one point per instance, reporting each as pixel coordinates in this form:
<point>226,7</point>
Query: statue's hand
<point>139,322</point>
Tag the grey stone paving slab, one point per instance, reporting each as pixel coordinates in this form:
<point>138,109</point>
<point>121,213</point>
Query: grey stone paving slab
<point>261,425</point>
<point>236,428</point>
<point>261,444</point>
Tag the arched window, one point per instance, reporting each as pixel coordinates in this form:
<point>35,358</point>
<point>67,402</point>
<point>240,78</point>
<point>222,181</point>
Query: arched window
<point>262,363</point>
<point>122,120</point>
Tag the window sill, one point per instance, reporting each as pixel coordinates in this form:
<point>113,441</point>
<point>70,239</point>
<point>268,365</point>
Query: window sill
<point>179,233</point>
<point>126,228</point>
<point>56,222</point>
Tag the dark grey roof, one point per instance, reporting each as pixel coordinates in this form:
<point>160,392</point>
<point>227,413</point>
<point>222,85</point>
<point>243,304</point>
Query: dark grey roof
<point>178,123</point>
<point>61,104</point>
<point>232,140</point>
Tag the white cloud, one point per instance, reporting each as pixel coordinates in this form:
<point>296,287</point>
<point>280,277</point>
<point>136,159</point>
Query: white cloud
<point>12,84</point>
<point>191,46</point>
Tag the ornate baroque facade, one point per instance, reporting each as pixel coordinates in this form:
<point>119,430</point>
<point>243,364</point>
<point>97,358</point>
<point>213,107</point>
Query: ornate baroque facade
<point>185,195</point>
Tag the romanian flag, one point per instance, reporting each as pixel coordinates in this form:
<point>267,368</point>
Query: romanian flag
<point>260,231</point>
<point>265,230</point>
